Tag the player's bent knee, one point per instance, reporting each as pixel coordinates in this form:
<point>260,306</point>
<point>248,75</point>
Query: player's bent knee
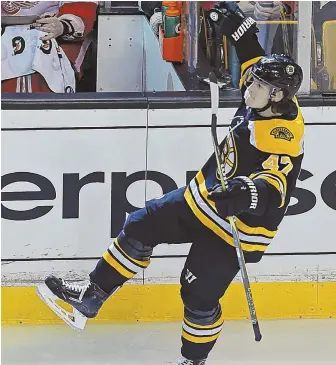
<point>203,317</point>
<point>132,248</point>
<point>127,256</point>
<point>139,227</point>
<point>198,297</point>
<point>202,326</point>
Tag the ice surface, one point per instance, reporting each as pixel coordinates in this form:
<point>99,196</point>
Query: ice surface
<point>285,342</point>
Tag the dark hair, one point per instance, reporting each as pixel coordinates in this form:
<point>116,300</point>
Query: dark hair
<point>284,106</point>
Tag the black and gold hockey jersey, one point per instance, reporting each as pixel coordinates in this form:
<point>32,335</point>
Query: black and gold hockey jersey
<point>260,148</point>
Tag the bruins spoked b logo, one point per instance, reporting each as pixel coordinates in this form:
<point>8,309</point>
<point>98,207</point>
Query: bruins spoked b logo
<point>229,156</point>
<point>282,133</point>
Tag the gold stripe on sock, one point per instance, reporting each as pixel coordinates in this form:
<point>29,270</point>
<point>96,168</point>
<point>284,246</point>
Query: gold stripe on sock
<point>111,261</point>
<point>196,339</point>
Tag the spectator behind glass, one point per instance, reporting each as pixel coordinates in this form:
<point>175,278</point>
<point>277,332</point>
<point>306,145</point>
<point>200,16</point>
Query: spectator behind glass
<point>209,45</point>
<point>42,54</point>
<point>323,45</point>
<point>263,11</point>
<point>260,11</point>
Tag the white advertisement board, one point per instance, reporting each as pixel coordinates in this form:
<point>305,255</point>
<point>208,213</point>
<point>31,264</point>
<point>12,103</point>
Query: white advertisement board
<point>75,173</point>
<point>66,191</point>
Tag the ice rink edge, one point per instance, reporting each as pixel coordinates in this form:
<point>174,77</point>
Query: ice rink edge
<point>161,302</point>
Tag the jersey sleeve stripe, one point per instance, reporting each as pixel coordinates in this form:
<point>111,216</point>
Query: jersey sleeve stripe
<point>276,179</point>
<point>204,191</point>
<point>216,229</point>
<point>260,231</point>
<point>211,220</point>
<point>277,185</point>
<point>201,194</point>
<point>205,219</point>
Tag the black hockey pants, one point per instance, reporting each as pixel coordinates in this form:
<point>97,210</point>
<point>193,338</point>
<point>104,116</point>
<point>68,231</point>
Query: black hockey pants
<point>210,267</point>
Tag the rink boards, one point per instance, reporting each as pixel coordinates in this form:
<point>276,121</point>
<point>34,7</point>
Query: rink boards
<point>69,178</point>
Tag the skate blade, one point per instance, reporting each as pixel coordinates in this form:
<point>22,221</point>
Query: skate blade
<point>74,319</point>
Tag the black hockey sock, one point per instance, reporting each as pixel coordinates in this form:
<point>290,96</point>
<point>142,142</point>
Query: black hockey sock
<point>200,330</point>
<point>193,351</point>
<point>106,276</point>
<point>124,258</point>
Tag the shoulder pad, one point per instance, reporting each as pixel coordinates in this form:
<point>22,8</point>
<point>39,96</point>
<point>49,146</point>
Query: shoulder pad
<point>278,136</point>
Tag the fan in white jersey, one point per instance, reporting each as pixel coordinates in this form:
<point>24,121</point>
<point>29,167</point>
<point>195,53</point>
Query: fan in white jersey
<point>43,42</point>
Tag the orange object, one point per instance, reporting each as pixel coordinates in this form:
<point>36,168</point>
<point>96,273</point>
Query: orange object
<point>171,48</point>
<point>169,3</point>
<point>173,4</point>
<point>172,11</point>
<point>179,6</point>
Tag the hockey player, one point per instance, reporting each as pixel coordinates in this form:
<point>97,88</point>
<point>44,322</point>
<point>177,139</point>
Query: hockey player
<point>263,154</point>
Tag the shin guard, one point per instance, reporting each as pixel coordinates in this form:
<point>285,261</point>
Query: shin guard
<point>200,330</point>
<point>124,258</point>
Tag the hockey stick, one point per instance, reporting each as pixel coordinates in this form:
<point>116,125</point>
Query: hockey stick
<point>285,33</point>
<point>214,90</point>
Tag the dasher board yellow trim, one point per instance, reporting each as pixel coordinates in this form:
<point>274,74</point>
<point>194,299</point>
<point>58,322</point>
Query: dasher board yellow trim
<point>161,302</point>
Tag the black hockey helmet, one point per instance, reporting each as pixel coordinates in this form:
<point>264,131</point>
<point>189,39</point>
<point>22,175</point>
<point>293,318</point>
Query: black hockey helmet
<point>279,71</point>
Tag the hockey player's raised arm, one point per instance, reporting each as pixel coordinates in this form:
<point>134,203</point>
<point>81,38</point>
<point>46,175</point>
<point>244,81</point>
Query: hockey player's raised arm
<point>241,31</point>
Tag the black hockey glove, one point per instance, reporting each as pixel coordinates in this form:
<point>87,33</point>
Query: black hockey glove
<point>241,196</point>
<point>229,20</point>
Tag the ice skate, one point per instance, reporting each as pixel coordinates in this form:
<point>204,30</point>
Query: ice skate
<point>85,300</point>
<point>183,361</point>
